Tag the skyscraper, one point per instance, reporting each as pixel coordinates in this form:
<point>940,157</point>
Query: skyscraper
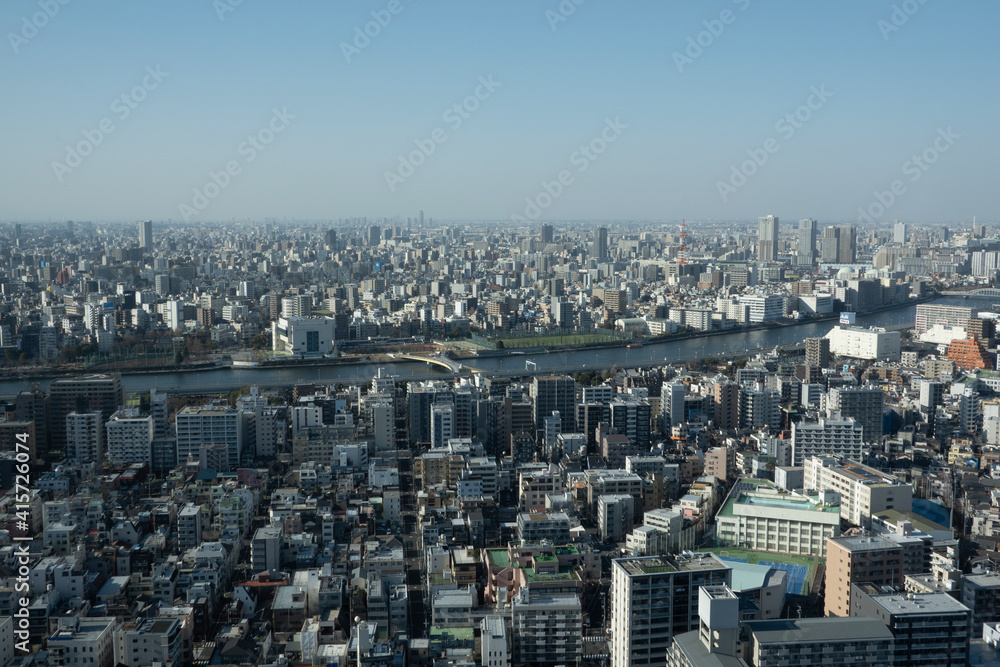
<point>847,250</point>
<point>767,238</point>
<point>374,235</point>
<point>146,234</point>
<point>830,249</point>
<point>545,233</point>
<point>807,238</point>
<point>601,243</point>
<point>899,232</point>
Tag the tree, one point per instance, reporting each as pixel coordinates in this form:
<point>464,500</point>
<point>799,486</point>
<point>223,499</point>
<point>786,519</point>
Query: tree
<point>260,341</point>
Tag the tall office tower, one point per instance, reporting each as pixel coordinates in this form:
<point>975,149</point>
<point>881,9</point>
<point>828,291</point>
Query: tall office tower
<point>863,404</point>
<point>331,238</point>
<point>654,599</point>
<point>374,235</point>
<point>84,438</point>
<point>727,405</point>
<point>931,396</point>
<point>87,393</point>
<point>899,232</point>
<point>17,230</point>
<point>421,218</point>
<point>859,560</point>
<point>818,352</point>
<point>671,405</point>
<point>546,233</point>
<point>146,234</point>
<point>601,243</point>
<point>807,238</point>
<point>847,251</point>
<point>830,245</point>
<point>554,393</point>
<point>767,239</point>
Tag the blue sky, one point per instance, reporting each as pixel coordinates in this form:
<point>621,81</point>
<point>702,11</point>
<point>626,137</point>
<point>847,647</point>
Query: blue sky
<point>890,94</point>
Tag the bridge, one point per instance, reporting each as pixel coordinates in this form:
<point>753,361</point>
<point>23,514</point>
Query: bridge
<point>982,293</point>
<point>438,360</point>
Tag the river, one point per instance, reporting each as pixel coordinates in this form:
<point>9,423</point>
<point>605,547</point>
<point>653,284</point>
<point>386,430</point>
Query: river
<point>651,354</point>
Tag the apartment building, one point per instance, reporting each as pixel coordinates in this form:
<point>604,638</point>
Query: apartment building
<point>856,560</point>
<point>843,437</point>
<point>547,628</point>
<point>863,491</point>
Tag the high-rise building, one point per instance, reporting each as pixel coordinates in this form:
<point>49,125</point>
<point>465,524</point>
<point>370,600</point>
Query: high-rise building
<point>837,437</point>
<point>929,314</point>
<point>671,405</point>
<point>767,239</point>
<point>374,235</point>
<point>818,352</point>
<point>807,239</point>
<point>863,404</point>
<point>331,238</point>
<point>442,420</point>
<point>545,233</point>
<point>87,393</point>
<point>863,491</point>
<point>847,249</point>
<point>601,243</point>
<point>84,438</point>
<point>211,425</point>
<point>554,393</point>
<point>899,232</point>
<point>859,560</point>
<point>547,628</point>
<point>830,245</point>
<point>146,234</point>
<point>655,598</point>
<point>130,438</point>
<point>727,405</point>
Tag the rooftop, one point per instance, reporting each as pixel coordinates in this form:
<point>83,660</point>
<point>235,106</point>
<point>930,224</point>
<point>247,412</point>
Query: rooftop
<point>802,630</point>
<point>919,603</point>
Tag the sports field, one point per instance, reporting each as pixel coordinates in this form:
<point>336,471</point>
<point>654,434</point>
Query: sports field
<point>553,341</point>
<point>801,569</point>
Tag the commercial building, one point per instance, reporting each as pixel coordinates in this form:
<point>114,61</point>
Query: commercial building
<point>303,335</point>
<point>554,393</point>
<point>863,404</point>
<point>83,641</point>
<point>764,308</point>
<point>655,598</point>
<point>858,343</point>
<point>149,642</point>
<point>863,491</point>
<point>859,560</point>
<point>767,238</point>
<point>760,517</point>
<point>211,425</point>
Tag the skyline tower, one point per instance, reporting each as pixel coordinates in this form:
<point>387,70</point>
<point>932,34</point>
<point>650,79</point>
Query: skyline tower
<point>767,238</point>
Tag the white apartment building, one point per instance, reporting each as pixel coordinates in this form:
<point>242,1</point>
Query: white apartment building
<point>615,516</point>
<point>151,640</point>
<point>130,438</point>
<point>211,425</point>
<point>858,343</point>
<point>189,527</point>
<point>764,308</point>
<point>863,491</point>
<point>496,642</point>
<point>83,642</point>
<point>827,436</point>
<point>84,438</point>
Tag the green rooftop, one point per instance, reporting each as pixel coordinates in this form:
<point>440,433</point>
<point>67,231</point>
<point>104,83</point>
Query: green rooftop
<point>453,634</point>
<point>499,557</point>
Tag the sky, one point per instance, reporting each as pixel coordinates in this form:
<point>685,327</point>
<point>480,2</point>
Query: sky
<point>209,110</point>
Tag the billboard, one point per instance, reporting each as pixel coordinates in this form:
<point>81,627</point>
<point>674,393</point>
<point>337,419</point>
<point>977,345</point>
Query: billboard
<point>847,318</point>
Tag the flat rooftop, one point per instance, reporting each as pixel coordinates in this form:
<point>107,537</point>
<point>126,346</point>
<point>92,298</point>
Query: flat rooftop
<point>660,564</point>
<point>809,630</point>
<point>919,603</point>
<point>865,543</point>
